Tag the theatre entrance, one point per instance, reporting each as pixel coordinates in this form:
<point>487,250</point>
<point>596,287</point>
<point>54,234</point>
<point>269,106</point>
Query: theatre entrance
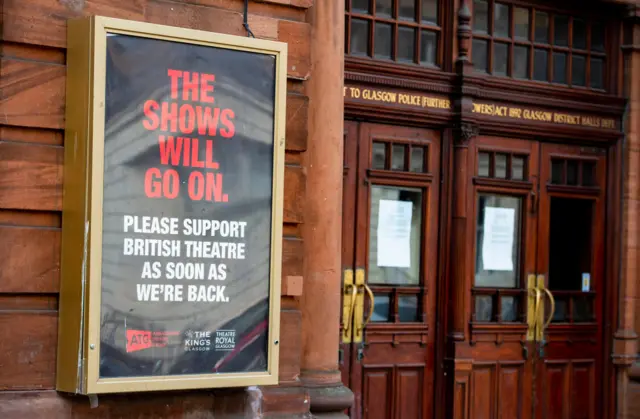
<point>389,257</point>
<point>534,237</point>
<point>527,270</point>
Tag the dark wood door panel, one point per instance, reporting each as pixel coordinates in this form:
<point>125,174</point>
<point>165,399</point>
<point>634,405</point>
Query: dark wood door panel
<point>377,392</point>
<point>499,390</point>
<point>511,390</point>
<point>393,391</point>
<point>483,385</point>
<point>583,386</point>
<point>568,389</point>
<point>409,391</point>
<point>554,388</point>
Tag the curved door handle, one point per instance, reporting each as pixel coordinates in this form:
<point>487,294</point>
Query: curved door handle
<point>371,305</point>
<point>553,306</point>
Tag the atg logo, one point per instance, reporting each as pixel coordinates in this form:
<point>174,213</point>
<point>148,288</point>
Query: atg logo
<point>138,340</point>
<point>197,341</point>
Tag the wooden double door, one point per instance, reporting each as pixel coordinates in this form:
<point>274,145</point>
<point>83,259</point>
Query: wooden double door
<point>533,260</point>
<point>536,213</point>
<point>390,238</point>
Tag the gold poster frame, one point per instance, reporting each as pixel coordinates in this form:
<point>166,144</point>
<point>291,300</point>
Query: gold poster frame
<point>81,259</point>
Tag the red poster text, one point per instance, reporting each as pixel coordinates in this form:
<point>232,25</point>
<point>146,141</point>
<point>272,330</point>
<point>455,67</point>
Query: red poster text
<point>187,113</point>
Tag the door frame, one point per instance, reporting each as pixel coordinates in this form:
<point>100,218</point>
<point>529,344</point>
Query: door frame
<point>450,366</point>
<point>431,238</point>
<point>458,359</point>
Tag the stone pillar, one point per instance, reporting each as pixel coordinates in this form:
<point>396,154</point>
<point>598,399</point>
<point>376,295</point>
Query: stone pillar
<point>322,227</point>
<point>625,340</point>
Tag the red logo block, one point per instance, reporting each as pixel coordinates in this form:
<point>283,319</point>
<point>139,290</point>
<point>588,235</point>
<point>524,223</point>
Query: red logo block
<point>138,340</point>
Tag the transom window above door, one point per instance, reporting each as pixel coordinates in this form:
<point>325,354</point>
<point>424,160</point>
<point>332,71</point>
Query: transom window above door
<point>402,31</point>
<point>538,44</point>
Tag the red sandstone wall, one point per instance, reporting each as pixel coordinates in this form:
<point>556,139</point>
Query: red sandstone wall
<point>32,103</point>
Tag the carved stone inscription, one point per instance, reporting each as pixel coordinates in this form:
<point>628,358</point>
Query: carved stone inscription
<point>538,115</point>
<point>417,101</point>
<point>391,97</point>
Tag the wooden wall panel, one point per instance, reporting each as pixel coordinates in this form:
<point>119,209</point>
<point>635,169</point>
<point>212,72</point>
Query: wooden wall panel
<point>43,22</point>
<point>32,93</point>
<point>32,53</point>
<point>27,349</point>
<point>30,260</point>
<point>20,218</point>
<point>30,177</point>
<point>32,135</point>
<point>207,18</point>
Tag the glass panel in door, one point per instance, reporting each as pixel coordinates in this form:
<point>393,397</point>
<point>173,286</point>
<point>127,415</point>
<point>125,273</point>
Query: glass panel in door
<point>497,260</point>
<point>497,241</point>
<point>394,235</point>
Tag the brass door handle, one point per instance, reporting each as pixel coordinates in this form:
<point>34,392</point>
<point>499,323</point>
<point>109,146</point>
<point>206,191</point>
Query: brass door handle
<point>535,321</point>
<point>358,324</point>
<point>533,305</point>
<point>349,296</point>
<point>352,306</point>
<point>538,296</point>
<point>536,313</point>
<point>553,306</point>
<point>371,305</point>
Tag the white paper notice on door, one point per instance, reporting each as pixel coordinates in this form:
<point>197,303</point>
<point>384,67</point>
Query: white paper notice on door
<point>394,234</point>
<point>497,243</point>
